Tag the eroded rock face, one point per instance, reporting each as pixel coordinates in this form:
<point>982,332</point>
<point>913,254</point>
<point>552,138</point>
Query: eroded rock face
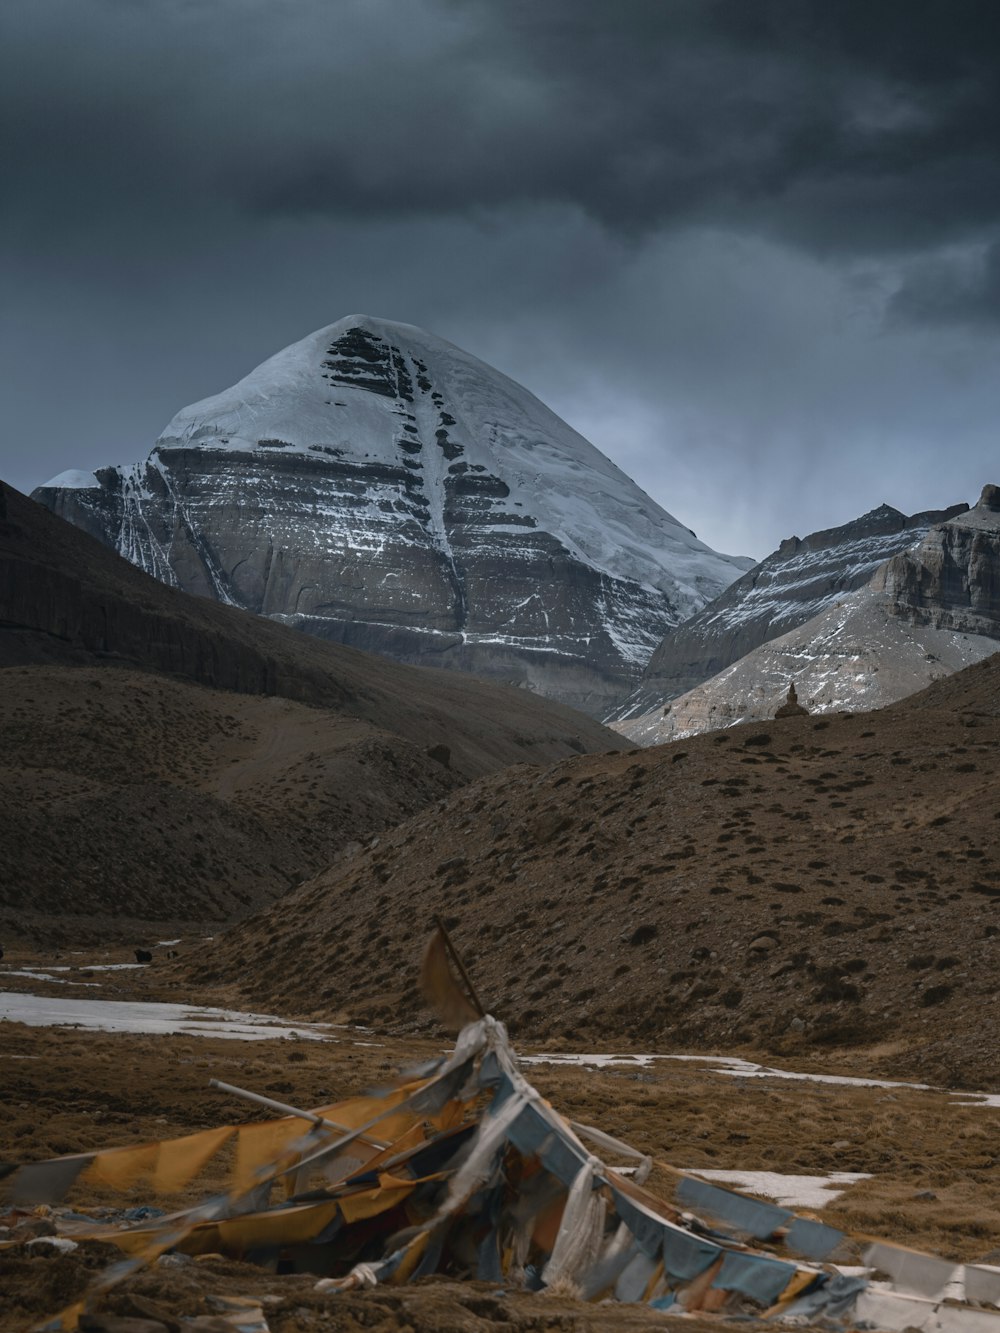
<point>925,613</point>
<point>952,580</point>
<point>376,486</point>
<point>798,581</point>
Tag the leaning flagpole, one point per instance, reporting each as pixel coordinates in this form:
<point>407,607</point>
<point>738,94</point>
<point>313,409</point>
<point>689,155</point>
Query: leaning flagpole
<point>466,979</point>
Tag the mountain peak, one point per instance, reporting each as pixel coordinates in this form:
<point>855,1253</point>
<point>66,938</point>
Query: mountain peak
<point>375,484</point>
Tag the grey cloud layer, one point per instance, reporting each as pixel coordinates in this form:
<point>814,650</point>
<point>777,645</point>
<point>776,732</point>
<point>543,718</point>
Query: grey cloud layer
<point>845,126</point>
<point>750,247</point>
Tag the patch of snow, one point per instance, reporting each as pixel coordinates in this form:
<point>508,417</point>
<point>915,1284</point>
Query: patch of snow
<point>734,1066</point>
<point>113,967</point>
<point>61,1243</point>
<point>593,1061</point>
<point>74,480</point>
<point>979,1099</point>
<point>34,975</point>
<point>162,1019</point>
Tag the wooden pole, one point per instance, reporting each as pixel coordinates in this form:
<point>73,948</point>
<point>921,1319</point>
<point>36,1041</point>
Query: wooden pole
<point>477,1005</point>
<point>285,1109</point>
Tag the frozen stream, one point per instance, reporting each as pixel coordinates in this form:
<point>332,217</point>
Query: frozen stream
<point>199,1021</point>
<point>789,1191</point>
<point>138,1016</point>
<point>736,1067</point>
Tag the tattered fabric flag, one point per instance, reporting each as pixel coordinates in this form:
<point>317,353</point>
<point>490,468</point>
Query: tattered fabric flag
<point>912,1271</point>
<point>45,1182</point>
<point>440,989</point>
<point>169,1165</point>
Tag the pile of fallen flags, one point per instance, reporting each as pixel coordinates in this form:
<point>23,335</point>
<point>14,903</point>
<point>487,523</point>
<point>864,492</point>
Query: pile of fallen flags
<point>463,1169</point>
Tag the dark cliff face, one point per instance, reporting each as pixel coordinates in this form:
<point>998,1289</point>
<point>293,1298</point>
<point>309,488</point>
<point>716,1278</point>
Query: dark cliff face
<point>952,581</point>
<point>376,487</point>
<point>796,582</point>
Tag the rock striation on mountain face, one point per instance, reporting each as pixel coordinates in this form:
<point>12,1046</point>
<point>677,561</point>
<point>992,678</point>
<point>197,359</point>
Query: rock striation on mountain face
<point>925,613</point>
<point>377,486</point>
<point>952,580</point>
<point>802,578</point>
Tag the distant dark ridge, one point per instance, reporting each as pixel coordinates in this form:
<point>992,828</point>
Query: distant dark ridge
<point>65,599</point>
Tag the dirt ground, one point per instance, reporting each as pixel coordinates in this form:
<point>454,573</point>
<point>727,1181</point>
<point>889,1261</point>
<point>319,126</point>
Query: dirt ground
<point>933,1160</point>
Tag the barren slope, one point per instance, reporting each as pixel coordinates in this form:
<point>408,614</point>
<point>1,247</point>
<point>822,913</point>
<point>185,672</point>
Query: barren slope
<point>805,883</point>
<point>926,612</point>
<point>134,803</point>
<point>800,580</point>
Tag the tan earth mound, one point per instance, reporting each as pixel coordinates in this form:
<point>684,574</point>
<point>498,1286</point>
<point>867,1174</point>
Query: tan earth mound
<point>808,883</point>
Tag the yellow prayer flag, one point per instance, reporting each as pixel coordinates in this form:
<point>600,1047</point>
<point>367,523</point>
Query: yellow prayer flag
<point>178,1161</point>
<point>121,1167</point>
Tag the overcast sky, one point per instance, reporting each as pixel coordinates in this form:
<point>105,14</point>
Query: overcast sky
<point>750,248</point>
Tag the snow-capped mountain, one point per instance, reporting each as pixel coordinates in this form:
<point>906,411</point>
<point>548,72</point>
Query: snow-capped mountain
<point>926,611</point>
<point>376,485</point>
<point>802,578</point>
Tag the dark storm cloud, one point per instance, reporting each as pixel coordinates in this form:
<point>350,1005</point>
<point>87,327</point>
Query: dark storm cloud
<point>840,126</point>
<point>749,247</point>
<point>950,290</point>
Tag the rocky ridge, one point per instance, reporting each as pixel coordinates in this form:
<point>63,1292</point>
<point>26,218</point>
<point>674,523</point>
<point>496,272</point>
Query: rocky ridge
<point>798,581</point>
<point>376,486</point>
<point>927,611</point>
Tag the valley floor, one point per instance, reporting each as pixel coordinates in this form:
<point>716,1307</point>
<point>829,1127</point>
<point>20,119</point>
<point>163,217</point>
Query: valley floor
<point>920,1164</point>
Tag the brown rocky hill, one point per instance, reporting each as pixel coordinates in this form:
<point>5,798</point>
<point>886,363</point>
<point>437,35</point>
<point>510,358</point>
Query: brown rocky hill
<point>165,759</point>
<point>797,886</point>
<point>134,804</point>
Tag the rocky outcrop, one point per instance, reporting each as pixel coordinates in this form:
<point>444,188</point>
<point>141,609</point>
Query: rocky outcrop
<point>952,580</point>
<point>375,486</point>
<point>925,613</point>
<point>802,578</point>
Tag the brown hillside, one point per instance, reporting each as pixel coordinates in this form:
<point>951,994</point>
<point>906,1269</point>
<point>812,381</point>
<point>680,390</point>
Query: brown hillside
<point>135,797</point>
<point>133,803</point>
<point>797,885</point>
<point>67,600</point>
